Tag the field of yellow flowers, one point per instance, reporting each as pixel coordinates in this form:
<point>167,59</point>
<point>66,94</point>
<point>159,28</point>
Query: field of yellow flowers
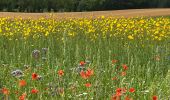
<point>85,59</point>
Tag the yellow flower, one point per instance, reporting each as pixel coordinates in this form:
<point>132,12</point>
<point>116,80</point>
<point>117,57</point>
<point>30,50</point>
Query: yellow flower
<point>102,17</point>
<point>130,37</point>
<point>47,33</point>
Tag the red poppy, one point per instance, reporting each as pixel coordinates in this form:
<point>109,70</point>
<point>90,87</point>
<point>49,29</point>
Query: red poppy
<point>22,83</point>
<point>114,61</point>
<point>131,90</point>
<point>34,91</point>
<point>60,72</point>
<point>114,78</point>
<point>82,63</point>
<point>83,75</point>
<point>125,67</point>
<point>86,74</point>
<point>115,97</point>
<point>34,76</point>
<point>123,73</point>
<point>89,72</point>
<point>154,97</point>
<point>120,91</point>
<point>5,91</point>
<point>22,97</point>
<point>88,85</point>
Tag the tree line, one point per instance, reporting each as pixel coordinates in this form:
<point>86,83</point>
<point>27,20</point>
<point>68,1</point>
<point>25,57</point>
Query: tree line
<point>78,5</point>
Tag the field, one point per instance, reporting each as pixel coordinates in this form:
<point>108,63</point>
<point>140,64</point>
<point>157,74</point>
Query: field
<point>94,14</point>
<point>100,58</point>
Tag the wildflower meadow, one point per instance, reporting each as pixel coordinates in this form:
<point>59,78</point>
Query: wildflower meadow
<point>105,58</point>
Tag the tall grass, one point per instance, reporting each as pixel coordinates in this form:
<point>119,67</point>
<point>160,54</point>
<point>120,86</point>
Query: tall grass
<point>148,60</point>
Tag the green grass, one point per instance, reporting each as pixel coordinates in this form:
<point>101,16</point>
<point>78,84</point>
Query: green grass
<point>148,67</point>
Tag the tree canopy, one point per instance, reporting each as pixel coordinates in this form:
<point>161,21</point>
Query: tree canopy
<point>78,5</point>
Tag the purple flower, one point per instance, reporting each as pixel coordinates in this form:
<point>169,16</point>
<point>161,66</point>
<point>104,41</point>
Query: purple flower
<point>36,54</point>
<point>17,73</point>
